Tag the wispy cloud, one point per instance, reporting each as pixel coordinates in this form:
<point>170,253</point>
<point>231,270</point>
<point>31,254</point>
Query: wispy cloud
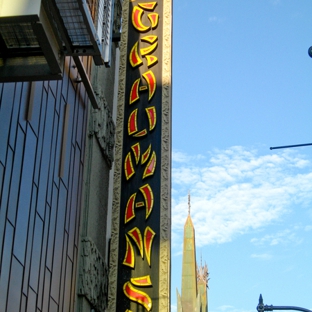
<point>225,308</point>
<point>236,190</point>
<point>264,256</point>
<point>215,19</point>
<point>229,308</point>
<point>283,237</point>
<point>184,158</point>
<point>308,228</point>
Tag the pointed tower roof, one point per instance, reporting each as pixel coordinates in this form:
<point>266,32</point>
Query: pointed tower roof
<point>189,278</point>
<point>194,295</point>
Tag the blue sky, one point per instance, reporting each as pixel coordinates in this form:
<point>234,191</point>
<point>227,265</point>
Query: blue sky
<point>242,82</point>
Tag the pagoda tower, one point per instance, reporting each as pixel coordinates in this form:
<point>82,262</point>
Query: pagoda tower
<point>194,286</point>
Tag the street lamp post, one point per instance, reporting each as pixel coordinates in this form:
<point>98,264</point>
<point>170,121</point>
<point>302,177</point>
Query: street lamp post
<point>261,307</point>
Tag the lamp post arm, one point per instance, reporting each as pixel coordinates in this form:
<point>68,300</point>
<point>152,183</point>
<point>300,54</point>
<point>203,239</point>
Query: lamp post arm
<point>272,307</point>
<point>261,307</point>
<point>288,146</point>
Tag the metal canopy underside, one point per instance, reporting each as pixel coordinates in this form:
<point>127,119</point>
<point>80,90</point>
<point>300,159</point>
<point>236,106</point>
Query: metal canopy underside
<point>79,27</point>
<point>18,36</point>
<point>77,24</point>
<point>28,48</point>
<point>74,23</point>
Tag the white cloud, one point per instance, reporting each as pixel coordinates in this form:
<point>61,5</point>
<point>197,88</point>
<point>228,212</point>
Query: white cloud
<point>308,228</point>
<point>229,308</point>
<point>225,308</point>
<point>236,190</point>
<point>283,237</point>
<point>181,157</point>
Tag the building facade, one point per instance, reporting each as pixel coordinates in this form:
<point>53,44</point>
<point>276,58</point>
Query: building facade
<point>59,93</point>
<point>194,285</point>
<point>59,79</point>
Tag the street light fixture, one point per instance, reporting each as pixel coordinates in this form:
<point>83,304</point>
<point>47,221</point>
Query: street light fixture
<point>261,307</point>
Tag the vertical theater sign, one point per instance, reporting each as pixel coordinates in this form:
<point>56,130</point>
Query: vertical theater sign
<point>140,244</point>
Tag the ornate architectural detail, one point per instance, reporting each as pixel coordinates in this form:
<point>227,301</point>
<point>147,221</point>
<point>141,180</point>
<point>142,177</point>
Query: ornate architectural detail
<point>93,276</point>
<point>165,211</point>
<point>118,163</point>
<point>202,274</point>
<point>104,129</point>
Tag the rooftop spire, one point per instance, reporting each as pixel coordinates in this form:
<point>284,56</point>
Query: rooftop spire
<point>189,274</point>
<point>189,203</point>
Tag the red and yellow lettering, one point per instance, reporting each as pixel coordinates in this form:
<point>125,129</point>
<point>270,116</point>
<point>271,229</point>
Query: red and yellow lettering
<point>149,235</point>
<point>135,234</point>
<point>151,165</point>
<point>137,296</point>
